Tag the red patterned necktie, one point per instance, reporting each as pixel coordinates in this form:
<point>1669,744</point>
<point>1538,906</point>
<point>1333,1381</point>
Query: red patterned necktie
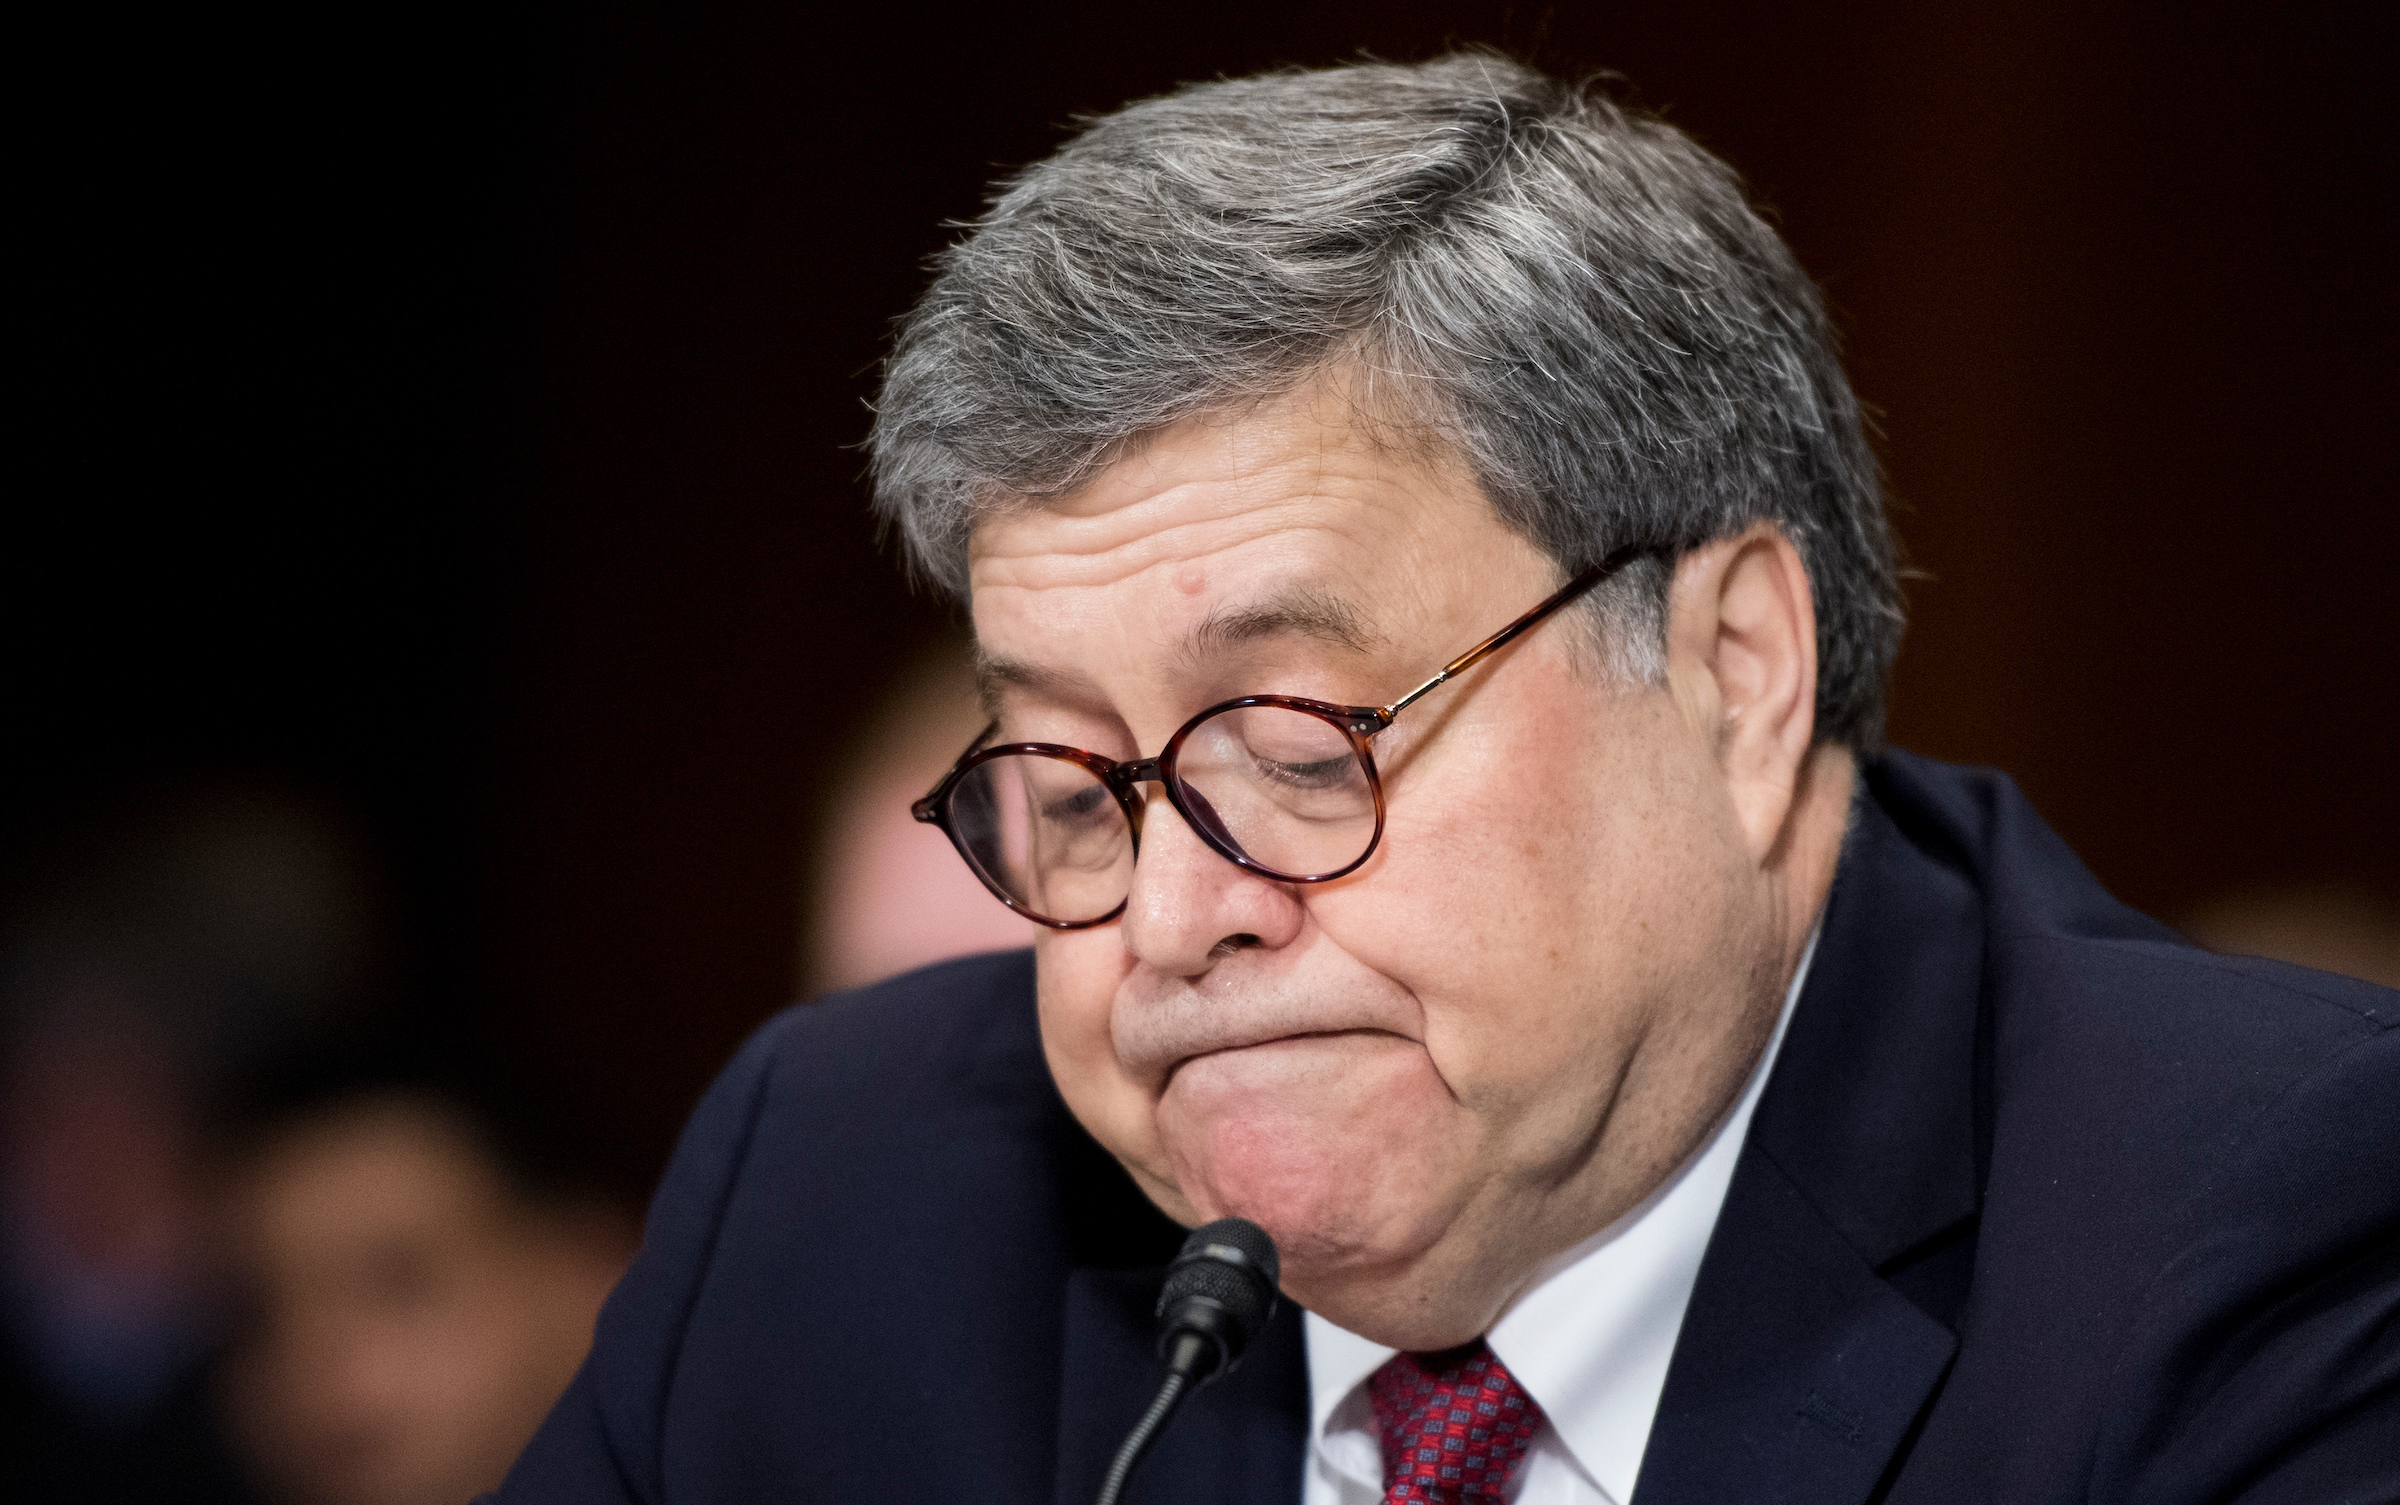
<point>1455,1426</point>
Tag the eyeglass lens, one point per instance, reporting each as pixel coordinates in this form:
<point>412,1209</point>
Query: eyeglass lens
<point>1046,833</point>
<point>1281,788</point>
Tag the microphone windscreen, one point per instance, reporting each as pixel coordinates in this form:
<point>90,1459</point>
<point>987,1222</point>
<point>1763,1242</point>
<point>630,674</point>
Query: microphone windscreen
<point>1231,1264</point>
<point>1245,1238</point>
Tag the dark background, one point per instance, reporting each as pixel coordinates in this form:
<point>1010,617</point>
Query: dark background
<point>449,420</point>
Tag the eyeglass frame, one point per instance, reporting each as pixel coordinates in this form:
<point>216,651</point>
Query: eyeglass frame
<point>1356,722</point>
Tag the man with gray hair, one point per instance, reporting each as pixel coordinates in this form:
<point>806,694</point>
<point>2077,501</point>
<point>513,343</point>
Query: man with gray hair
<point>1434,603</point>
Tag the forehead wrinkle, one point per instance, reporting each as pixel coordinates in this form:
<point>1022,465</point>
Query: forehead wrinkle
<point>1055,551</point>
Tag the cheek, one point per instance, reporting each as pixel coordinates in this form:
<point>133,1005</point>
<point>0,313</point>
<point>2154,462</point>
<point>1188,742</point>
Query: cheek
<point>1078,974</point>
<point>1483,897</point>
<point>1525,911</point>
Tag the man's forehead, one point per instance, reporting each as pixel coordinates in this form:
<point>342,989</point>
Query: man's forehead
<point>1301,473</point>
<point>1221,539</point>
<point>1288,535</point>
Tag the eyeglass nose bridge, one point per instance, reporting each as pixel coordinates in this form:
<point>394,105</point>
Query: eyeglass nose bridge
<point>1141,771</point>
<point>1121,778</point>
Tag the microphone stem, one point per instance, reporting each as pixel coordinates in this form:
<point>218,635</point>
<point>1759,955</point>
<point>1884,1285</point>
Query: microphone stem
<point>1137,1442</point>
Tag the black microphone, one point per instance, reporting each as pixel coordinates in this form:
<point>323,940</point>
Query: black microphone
<point>1219,1293</point>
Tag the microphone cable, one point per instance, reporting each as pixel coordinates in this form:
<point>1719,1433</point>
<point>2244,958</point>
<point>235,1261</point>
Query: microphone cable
<point>1219,1294</point>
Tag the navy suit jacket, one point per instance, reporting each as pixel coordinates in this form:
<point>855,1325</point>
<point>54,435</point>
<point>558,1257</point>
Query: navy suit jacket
<point>2040,1204</point>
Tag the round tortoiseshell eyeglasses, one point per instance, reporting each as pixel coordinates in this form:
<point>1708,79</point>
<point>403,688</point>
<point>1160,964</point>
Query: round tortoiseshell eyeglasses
<point>1277,784</point>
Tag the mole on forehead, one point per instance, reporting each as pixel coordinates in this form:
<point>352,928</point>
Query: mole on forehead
<point>1302,613</point>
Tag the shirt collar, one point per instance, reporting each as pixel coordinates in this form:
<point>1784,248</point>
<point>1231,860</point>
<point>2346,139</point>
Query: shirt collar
<point>1591,1337</point>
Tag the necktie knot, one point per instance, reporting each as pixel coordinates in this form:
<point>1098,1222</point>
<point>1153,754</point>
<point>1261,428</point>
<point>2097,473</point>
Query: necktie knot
<point>1454,1426</point>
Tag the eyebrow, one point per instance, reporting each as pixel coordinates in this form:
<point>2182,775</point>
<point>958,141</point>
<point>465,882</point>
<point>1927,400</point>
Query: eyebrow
<point>1299,613</point>
<point>994,674</point>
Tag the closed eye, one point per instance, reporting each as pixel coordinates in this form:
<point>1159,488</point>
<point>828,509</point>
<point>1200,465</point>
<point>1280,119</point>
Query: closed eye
<point>1325,773</point>
<point>1081,805</point>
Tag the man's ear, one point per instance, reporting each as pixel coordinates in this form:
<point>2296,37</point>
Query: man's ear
<point>1742,659</point>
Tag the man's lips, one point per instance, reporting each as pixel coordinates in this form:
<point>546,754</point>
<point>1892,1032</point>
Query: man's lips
<point>1295,1038</point>
<point>1159,1031</point>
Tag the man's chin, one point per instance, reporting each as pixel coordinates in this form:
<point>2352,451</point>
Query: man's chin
<point>1333,1144</point>
<point>1360,1260</point>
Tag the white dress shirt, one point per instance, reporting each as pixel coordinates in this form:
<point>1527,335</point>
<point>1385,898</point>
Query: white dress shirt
<point>1589,1340</point>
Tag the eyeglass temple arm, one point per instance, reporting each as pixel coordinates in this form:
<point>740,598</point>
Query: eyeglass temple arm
<point>1520,626</point>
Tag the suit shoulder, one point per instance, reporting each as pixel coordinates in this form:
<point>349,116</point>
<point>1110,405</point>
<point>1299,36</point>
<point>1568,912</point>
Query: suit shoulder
<point>935,995</point>
<point>2269,1328</point>
<point>886,1175</point>
<point>956,1036</point>
<point>2070,967</point>
<point>2190,1015</point>
<point>2183,1123</point>
<point>852,1069</point>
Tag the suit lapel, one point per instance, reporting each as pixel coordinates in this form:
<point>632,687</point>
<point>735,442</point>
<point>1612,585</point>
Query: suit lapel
<point>1240,1438</point>
<point>1798,1371</point>
<point>1821,1322</point>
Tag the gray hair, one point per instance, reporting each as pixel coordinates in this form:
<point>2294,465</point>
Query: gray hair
<point>1569,294</point>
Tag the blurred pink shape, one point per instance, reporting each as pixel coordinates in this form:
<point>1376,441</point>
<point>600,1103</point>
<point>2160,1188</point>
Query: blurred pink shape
<point>891,894</point>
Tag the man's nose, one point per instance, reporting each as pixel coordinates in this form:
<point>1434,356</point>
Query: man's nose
<point>1189,905</point>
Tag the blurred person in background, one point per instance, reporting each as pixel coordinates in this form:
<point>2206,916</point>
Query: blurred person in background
<point>112,1309</point>
<point>888,894</point>
<point>419,1269</point>
<point>157,950</point>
